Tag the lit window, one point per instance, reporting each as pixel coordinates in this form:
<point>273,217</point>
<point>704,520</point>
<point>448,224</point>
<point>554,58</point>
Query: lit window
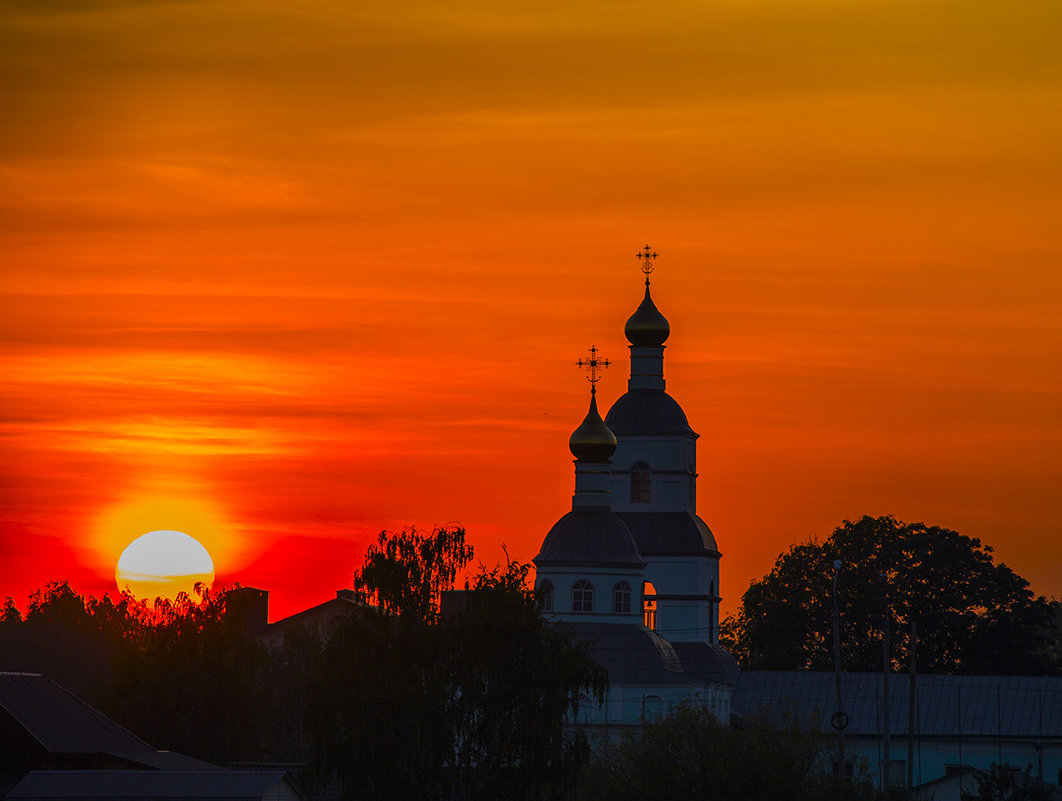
<point>649,605</point>
<point>545,596</point>
<point>640,484</point>
<point>621,598</point>
<point>583,596</point>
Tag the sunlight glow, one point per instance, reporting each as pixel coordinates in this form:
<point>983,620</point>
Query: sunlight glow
<point>163,564</point>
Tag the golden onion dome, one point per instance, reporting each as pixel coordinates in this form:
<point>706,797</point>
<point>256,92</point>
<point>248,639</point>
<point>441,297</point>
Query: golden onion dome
<point>592,441</point>
<point>647,326</point>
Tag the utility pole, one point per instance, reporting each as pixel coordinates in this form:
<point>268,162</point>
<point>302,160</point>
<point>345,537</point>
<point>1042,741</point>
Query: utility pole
<point>887,744</point>
<point>913,648</point>
<point>840,719</point>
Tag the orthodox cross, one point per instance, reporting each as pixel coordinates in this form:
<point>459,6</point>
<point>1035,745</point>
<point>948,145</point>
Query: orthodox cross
<point>594,364</point>
<point>647,256</point>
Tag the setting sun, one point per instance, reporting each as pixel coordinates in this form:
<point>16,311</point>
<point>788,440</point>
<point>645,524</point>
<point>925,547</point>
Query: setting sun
<point>163,564</point>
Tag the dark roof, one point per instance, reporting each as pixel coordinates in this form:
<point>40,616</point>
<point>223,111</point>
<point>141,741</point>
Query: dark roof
<point>631,653</point>
<point>64,724</point>
<point>647,412</point>
<point>707,660</point>
<point>975,706</point>
<point>589,537</point>
<point>669,533</point>
<point>134,785</point>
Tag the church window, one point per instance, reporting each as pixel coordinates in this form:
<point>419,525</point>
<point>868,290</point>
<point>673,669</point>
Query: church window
<point>621,598</point>
<point>652,708</point>
<point>640,483</point>
<point>649,605</point>
<point>545,596</point>
<point>583,596</point>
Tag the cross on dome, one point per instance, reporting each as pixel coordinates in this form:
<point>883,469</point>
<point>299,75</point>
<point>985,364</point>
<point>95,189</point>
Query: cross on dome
<point>593,364</point>
<point>646,256</point>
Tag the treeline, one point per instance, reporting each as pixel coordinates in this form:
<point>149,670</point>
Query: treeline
<point>394,701</point>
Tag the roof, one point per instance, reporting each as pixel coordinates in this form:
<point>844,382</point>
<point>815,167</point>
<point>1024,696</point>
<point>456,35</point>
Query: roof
<point>590,537</point>
<point>631,653</point>
<point>670,533</point>
<point>975,706</point>
<point>64,724</point>
<point>647,412</point>
<point>707,660</point>
<point>133,785</point>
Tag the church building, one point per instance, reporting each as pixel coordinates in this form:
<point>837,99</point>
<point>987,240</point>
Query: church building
<point>632,569</point>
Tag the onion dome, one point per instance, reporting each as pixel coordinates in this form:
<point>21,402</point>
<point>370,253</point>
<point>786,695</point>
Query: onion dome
<point>647,326</point>
<point>592,441</point>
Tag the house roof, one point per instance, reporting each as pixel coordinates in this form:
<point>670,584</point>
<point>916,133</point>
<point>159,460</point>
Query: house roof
<point>151,785</point>
<point>945,706</point>
<point>64,724</point>
<point>631,653</point>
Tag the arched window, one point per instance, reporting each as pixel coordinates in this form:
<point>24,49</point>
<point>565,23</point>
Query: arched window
<point>545,596</point>
<point>621,598</point>
<point>649,605</point>
<point>652,708</point>
<point>640,483</point>
<point>583,596</point>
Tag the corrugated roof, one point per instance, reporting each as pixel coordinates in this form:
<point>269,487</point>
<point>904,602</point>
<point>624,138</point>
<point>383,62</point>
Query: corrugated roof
<point>973,706</point>
<point>133,785</point>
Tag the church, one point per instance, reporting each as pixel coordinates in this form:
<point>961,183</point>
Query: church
<point>632,569</point>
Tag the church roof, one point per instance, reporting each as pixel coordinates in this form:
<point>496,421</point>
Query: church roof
<point>647,412</point>
<point>589,537</point>
<point>631,653</point>
<point>670,533</point>
<point>706,660</point>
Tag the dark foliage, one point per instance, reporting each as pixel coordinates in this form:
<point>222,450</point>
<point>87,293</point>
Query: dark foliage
<point>688,755</point>
<point>406,572</point>
<point>974,616</point>
<point>471,708</point>
<point>1004,783</point>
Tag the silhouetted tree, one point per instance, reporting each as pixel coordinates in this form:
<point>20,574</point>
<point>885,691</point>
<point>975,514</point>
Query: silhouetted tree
<point>406,572</point>
<point>1008,784</point>
<point>974,616</point>
<point>690,755</point>
<point>194,683</point>
<point>470,708</point>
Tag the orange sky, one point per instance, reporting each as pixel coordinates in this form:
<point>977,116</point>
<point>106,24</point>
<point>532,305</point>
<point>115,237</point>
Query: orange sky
<point>290,273</point>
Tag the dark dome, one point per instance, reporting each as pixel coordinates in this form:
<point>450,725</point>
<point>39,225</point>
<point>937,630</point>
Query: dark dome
<point>589,537</point>
<point>670,534</point>
<point>630,653</point>
<point>647,412</point>
<point>592,441</point>
<point>647,326</point>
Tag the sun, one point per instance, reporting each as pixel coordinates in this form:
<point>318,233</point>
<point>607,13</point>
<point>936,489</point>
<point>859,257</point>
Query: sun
<point>163,564</point>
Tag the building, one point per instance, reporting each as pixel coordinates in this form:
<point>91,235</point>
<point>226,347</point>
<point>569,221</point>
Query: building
<point>632,569</point>
<point>54,745</point>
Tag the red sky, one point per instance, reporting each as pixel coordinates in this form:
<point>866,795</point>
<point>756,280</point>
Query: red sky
<point>282,275</point>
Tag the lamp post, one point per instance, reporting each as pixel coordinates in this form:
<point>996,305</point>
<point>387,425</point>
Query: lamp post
<point>885,664</point>
<point>839,721</point>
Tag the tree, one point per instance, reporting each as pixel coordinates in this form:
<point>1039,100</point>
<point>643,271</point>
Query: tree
<point>1004,783</point>
<point>472,707</point>
<point>690,756</point>
<point>406,572</point>
<point>973,615</point>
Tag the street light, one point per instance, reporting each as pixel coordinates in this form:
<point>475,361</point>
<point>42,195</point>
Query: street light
<point>839,721</point>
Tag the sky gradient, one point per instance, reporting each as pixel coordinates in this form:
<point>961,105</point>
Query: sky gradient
<point>283,275</point>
